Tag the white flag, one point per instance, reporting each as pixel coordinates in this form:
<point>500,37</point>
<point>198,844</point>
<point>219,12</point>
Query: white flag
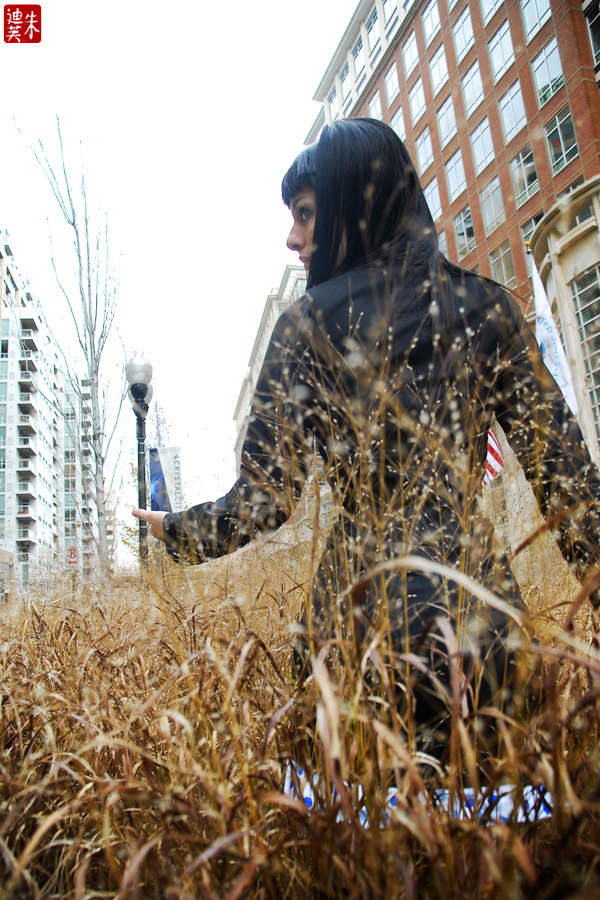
<point>548,338</point>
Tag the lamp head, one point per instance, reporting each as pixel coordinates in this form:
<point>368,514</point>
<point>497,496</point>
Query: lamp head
<point>138,371</point>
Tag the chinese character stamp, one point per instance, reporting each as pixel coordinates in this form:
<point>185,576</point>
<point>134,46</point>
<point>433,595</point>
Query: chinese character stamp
<point>22,23</point>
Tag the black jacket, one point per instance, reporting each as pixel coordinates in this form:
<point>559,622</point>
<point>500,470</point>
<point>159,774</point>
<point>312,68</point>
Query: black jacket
<point>399,408</point>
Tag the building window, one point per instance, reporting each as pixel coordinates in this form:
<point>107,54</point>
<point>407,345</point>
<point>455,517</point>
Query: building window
<point>586,213</point>
<point>547,72</point>
<point>375,106</point>
<point>359,57</point>
<point>501,51</point>
<point>512,111</point>
<point>455,174</point>
<point>443,243</point>
<point>488,8</point>
<point>410,53</point>
<point>593,20</point>
<point>439,69</point>
<point>345,82</point>
<point>432,195</point>
<point>431,21</point>
<point>560,136</point>
<point>585,291</point>
<point>535,13</point>
<point>492,205</point>
<point>465,233</point>
<point>391,83</point>
<point>526,231</point>
<point>416,98</point>
<point>503,266</point>
<point>483,146</point>
<point>424,150</point>
<point>334,109</point>
<point>524,175</point>
<point>446,121</point>
<point>372,31</point>
<point>463,34</point>
<point>472,88</point>
<point>389,8</point>
<point>397,123</point>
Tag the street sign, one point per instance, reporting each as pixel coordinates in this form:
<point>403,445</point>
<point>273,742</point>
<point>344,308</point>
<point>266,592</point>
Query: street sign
<point>72,556</point>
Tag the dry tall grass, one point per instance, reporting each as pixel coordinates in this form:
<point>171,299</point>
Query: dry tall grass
<point>146,734</point>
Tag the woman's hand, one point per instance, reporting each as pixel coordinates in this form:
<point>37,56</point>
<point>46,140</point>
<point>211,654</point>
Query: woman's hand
<point>154,520</point>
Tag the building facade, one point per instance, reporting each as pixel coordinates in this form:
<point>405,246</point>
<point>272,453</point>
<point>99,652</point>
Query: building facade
<point>498,104</point>
<point>44,505</point>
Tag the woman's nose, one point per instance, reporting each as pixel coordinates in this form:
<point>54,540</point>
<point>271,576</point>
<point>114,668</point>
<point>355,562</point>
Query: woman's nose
<point>294,241</point>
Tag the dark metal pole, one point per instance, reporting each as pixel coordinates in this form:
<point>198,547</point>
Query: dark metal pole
<point>141,439</point>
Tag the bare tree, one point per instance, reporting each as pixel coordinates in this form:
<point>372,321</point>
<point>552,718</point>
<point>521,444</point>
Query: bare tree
<point>92,312</point>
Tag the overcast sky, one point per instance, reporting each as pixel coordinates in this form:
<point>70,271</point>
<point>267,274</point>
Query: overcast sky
<point>188,115</point>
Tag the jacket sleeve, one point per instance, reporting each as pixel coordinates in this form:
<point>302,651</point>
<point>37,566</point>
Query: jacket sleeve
<point>273,465</point>
<point>548,443</point>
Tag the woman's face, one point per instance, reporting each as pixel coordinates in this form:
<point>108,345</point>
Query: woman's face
<point>304,210</point>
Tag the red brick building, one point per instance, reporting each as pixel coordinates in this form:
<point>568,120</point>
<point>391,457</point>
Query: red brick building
<point>499,106</point>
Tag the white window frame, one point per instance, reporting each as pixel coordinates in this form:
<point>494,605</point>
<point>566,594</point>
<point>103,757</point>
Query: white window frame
<point>459,28</point>
<point>410,53</point>
<point>334,106</point>
<point>463,220</point>
<point>432,196</point>
<point>416,100</point>
<point>557,123</point>
<point>389,8</point>
<point>533,18</point>
<point>438,68</point>
<point>541,63</point>
<point>482,144</point>
<point>358,54</point>
<point>397,123</point>
<point>513,99</point>
<point>345,81</point>
<point>455,176</point>
<point>519,167</point>
<point>392,84</point>
<point>587,326</point>
<point>375,106</point>
<point>502,54</point>
<point>431,21</point>
<point>424,150</point>
<point>372,30</point>
<point>492,205</point>
<point>593,23</point>
<point>489,8</point>
<point>446,119</point>
<point>504,251</point>
<point>470,78</point>
<point>443,242</point>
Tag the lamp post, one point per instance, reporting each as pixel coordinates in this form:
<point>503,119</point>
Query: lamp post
<point>139,376</point>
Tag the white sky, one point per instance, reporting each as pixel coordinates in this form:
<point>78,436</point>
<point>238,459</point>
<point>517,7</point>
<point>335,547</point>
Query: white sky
<point>188,115</point>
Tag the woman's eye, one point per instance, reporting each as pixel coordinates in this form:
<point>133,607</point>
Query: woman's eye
<point>305,214</point>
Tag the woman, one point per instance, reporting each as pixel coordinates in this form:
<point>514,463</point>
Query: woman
<point>392,367</point>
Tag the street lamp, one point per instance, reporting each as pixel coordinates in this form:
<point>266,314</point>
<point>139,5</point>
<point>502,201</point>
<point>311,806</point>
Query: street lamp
<point>139,375</point>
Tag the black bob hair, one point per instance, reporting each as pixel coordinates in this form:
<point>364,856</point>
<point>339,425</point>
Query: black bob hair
<point>368,195</point>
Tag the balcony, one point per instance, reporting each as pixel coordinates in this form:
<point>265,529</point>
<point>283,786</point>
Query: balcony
<point>26,465</point>
<point>29,357</point>
<point>27,380</point>
<point>24,490</point>
<point>29,338</point>
<point>26,445</point>
<point>27,424</point>
<point>27,402</point>
<point>26,534</point>
<point>25,513</point>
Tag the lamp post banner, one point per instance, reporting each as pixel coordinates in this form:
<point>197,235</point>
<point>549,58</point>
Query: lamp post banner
<point>166,491</point>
